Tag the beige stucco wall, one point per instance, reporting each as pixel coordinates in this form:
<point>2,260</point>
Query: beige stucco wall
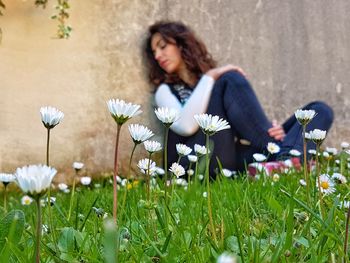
<point>292,51</point>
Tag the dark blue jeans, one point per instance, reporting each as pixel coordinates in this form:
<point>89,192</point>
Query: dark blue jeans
<point>234,100</point>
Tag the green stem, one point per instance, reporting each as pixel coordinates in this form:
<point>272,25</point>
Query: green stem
<point>48,147</point>
<point>127,177</point>
<point>5,198</point>
<point>72,196</point>
<point>189,177</point>
<point>305,166</point>
<point>166,162</point>
<point>115,190</point>
<point>38,230</point>
<point>318,179</point>
<point>49,190</point>
<point>207,161</point>
<point>346,236</point>
<point>148,177</point>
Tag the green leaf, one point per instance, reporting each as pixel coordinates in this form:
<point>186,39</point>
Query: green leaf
<point>232,244</point>
<point>11,227</point>
<point>66,240</point>
<point>303,241</point>
<point>274,205</point>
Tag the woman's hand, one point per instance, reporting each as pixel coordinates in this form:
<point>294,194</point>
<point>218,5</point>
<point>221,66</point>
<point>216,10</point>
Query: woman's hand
<point>277,131</point>
<point>216,73</point>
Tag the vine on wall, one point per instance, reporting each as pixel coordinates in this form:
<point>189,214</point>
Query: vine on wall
<point>61,16</point>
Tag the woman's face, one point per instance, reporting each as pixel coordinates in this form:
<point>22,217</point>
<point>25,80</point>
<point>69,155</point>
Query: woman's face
<point>168,55</point>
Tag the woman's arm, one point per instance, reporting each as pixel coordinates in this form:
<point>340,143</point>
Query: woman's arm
<point>196,104</point>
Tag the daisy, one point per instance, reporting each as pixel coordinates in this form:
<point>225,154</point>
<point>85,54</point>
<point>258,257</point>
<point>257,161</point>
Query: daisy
<point>182,149</point>
<point>304,116</point>
<point>152,146</point>
<point>211,124</point>
<point>50,116</point>
<point>326,184</point>
<point>167,115</point>
<point>200,150</point>
<point>339,178</point>
<point>139,133</point>
<point>122,111</point>
<point>192,158</point>
<point>177,170</point>
<point>294,152</point>
<point>259,157</point>
<point>273,148</point>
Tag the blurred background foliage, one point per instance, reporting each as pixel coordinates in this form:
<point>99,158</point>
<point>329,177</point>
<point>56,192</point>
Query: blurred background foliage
<point>61,15</point>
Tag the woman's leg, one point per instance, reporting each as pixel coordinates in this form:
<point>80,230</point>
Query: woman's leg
<point>243,110</point>
<point>294,139</point>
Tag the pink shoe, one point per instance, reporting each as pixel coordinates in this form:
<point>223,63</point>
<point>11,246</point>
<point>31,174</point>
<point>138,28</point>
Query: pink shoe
<point>274,167</point>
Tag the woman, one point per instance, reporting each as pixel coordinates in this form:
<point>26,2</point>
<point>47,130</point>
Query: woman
<point>188,80</point>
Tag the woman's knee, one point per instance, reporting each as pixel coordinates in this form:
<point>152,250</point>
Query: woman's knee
<point>232,79</point>
<point>322,108</point>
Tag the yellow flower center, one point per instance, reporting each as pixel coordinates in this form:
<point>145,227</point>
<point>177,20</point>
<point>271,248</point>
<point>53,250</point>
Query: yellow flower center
<point>325,185</point>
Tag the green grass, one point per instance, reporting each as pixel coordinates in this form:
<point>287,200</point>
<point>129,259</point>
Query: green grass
<point>256,220</point>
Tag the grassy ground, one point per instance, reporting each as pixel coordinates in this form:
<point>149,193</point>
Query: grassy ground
<point>264,220</point>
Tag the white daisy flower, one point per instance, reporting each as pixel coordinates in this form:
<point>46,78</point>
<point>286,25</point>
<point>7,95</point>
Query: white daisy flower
<point>259,157</point>
<point>152,146</point>
<point>304,116</point>
<point>288,163</point>
<point>147,166</point>
<point>344,204</point>
<point>192,158</point>
<point>62,187</point>
<point>344,145</point>
<point>167,115</point>
<point>26,200</point>
<point>200,177</point>
<point>339,178</point>
<point>200,150</point>
<point>317,135</point>
<point>325,155</point>
<point>227,172</point>
<point>205,194</point>
<point>85,180</point>
<point>331,150</point>
<point>44,229</point>
<point>6,178</point>
<point>78,166</point>
<point>182,149</point>
<point>226,258</point>
<point>276,177</point>
<point>326,184</point>
<point>307,136</point>
<point>139,133</point>
<point>312,152</point>
<point>35,179</point>
<point>177,170</point>
<point>211,124</point>
<point>122,111</point>
<point>50,116</point>
<point>294,152</point>
<point>190,172</point>
<point>159,171</point>
<point>302,182</point>
<point>273,148</point>
<point>181,182</point>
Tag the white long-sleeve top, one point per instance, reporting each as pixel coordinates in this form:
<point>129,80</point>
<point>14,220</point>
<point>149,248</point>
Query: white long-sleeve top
<point>197,103</point>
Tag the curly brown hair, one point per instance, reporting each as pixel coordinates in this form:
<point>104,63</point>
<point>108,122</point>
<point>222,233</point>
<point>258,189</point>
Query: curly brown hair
<point>193,51</point>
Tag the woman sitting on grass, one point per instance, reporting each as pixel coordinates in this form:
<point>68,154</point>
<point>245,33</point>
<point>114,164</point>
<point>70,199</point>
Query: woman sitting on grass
<point>187,79</point>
